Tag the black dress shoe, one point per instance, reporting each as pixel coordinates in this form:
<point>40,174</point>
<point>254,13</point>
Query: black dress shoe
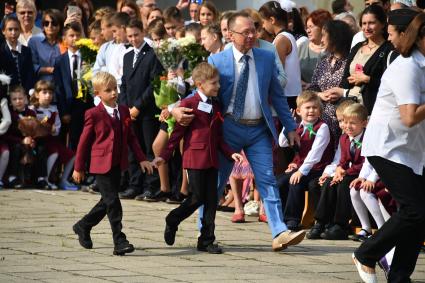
<point>211,248</point>
<point>145,195</point>
<point>123,248</point>
<point>15,184</point>
<point>315,232</point>
<point>170,234</point>
<point>160,196</point>
<point>336,232</point>
<point>293,226</point>
<point>42,184</point>
<point>83,236</point>
<point>361,237</point>
<point>128,194</point>
<point>176,199</point>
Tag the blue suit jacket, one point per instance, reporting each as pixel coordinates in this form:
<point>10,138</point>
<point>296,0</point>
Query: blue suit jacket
<point>63,81</point>
<point>270,89</point>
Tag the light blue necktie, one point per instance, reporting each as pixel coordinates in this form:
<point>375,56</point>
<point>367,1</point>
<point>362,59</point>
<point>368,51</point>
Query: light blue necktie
<point>241,87</point>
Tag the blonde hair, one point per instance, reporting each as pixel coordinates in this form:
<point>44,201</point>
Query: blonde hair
<point>102,79</point>
<point>204,71</point>
<point>356,110</point>
<point>343,105</point>
<point>26,3</point>
<point>309,96</point>
<point>102,12</point>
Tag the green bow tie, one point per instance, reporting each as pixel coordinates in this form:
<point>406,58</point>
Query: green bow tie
<point>310,130</point>
<point>357,143</point>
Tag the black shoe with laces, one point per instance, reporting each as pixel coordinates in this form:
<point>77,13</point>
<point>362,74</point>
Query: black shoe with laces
<point>176,199</point>
<point>170,234</point>
<point>160,196</point>
<point>42,184</point>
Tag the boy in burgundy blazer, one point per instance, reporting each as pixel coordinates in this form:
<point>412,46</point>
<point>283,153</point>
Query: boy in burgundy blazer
<point>202,140</point>
<point>334,207</point>
<point>315,153</point>
<point>108,133</point>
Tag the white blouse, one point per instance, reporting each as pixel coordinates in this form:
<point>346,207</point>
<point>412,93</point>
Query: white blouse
<point>386,136</point>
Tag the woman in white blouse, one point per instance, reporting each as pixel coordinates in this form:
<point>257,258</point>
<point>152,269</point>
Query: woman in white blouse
<point>394,143</point>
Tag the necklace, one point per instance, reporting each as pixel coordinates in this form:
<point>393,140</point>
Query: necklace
<point>371,47</point>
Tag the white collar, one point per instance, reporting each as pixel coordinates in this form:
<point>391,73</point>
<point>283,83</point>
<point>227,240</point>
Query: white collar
<point>305,124</point>
<point>238,55</point>
<point>419,58</point>
<point>203,96</point>
<point>137,50</point>
<point>18,46</point>
<point>70,54</point>
<point>356,138</point>
<point>109,109</point>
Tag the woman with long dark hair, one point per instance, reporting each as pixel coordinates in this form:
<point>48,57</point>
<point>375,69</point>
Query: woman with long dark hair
<point>394,144</point>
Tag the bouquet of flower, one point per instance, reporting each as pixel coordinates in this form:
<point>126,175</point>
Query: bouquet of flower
<point>88,52</point>
<point>193,52</point>
<point>31,127</point>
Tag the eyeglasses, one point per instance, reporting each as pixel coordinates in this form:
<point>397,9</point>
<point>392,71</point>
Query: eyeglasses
<point>26,12</point>
<point>52,23</point>
<point>246,33</point>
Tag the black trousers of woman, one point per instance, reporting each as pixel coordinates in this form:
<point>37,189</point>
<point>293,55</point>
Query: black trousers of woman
<point>405,230</point>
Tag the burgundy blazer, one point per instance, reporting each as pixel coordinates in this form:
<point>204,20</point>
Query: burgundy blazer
<point>13,134</point>
<point>202,138</point>
<point>344,162</point>
<point>98,137</point>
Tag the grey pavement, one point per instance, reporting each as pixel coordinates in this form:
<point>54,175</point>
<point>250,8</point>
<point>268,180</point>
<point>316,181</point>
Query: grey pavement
<point>37,245</point>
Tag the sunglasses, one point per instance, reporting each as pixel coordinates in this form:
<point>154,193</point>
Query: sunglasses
<point>47,23</point>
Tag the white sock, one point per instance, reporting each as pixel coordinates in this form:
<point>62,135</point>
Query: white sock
<point>4,161</point>
<point>384,211</point>
<point>11,178</point>
<point>51,160</point>
<point>372,205</point>
<point>360,209</point>
<point>67,170</point>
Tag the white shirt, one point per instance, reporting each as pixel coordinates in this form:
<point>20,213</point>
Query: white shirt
<point>331,168</point>
<point>291,67</point>
<point>320,143</point>
<point>42,113</point>
<point>111,110</point>
<point>252,108</point>
<point>386,136</point>
<point>204,98</point>
<point>24,41</point>
<point>71,62</point>
<point>115,67</point>
<point>368,172</point>
<point>18,47</point>
<point>104,57</point>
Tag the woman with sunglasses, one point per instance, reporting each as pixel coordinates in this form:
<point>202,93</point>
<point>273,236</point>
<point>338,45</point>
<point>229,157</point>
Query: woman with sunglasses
<point>45,46</point>
<point>26,12</point>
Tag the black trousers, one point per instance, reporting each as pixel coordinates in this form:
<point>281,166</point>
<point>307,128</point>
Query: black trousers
<point>31,171</point>
<point>405,230</point>
<point>203,191</point>
<point>335,202</point>
<point>293,196</point>
<point>146,131</point>
<point>109,204</point>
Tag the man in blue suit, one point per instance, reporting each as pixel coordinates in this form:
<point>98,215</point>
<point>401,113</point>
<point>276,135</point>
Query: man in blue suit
<point>249,87</point>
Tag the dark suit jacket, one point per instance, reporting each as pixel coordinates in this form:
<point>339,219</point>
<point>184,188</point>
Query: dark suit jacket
<point>351,165</point>
<point>8,66</point>
<point>98,136</point>
<point>374,67</point>
<point>136,83</point>
<point>202,138</point>
<point>63,80</point>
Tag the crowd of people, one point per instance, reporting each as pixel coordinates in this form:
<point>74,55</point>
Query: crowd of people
<point>326,102</point>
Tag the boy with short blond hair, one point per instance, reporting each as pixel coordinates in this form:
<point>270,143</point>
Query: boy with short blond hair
<point>334,207</point>
<point>202,140</point>
<point>107,134</point>
<point>315,152</point>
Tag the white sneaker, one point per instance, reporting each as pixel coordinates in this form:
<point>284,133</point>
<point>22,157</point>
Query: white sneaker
<point>366,277</point>
<point>252,208</point>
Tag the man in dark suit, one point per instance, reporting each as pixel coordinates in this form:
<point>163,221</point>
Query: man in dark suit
<point>107,134</point>
<point>72,101</point>
<point>140,67</point>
